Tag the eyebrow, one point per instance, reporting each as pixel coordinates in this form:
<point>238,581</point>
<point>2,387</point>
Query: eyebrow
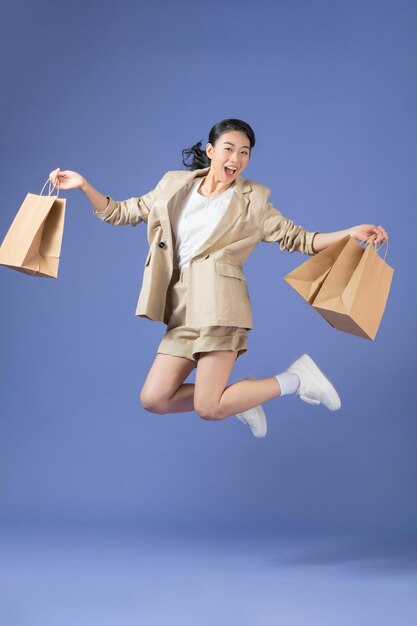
<point>232,144</point>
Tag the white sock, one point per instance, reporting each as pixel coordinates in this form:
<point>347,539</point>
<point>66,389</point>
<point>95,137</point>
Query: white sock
<point>289,383</point>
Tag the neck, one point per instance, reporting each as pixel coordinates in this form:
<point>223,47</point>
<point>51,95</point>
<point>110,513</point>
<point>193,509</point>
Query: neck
<point>211,186</point>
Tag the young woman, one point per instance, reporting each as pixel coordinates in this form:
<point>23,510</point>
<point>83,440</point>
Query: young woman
<point>203,223</point>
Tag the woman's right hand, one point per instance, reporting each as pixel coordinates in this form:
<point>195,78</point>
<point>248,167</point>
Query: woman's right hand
<point>66,179</point>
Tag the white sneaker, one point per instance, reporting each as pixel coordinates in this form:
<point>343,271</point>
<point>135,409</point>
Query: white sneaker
<point>255,418</point>
<point>314,387</point>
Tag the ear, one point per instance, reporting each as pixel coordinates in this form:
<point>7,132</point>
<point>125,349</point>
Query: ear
<point>209,150</point>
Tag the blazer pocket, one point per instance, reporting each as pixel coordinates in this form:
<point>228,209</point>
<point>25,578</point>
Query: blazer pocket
<point>227,269</point>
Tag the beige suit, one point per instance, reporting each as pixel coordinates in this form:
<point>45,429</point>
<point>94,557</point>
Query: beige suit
<point>217,290</point>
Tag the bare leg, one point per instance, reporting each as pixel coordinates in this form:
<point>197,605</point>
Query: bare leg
<point>245,394</point>
<point>164,390</point>
<point>214,400</point>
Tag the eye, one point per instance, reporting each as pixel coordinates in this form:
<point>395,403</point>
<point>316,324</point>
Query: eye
<point>228,148</point>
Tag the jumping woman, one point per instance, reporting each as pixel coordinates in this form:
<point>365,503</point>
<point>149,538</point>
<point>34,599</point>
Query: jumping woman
<point>203,223</point>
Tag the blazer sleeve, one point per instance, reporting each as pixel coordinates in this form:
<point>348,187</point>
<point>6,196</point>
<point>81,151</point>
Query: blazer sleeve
<point>131,211</point>
<point>276,228</point>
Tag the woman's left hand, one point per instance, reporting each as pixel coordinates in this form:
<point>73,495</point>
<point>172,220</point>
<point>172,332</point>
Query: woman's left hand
<point>378,234</point>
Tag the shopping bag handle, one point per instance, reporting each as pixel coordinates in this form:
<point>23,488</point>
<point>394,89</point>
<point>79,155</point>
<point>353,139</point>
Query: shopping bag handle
<point>377,249</point>
<point>48,180</point>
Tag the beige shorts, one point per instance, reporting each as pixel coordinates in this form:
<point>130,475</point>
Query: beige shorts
<point>181,340</point>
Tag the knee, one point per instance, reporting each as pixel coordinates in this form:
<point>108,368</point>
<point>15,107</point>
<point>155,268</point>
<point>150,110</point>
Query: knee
<point>151,403</point>
<point>207,411</point>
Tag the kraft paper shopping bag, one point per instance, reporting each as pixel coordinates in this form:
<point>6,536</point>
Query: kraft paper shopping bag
<point>353,296</point>
<point>308,277</point>
<point>33,242</point>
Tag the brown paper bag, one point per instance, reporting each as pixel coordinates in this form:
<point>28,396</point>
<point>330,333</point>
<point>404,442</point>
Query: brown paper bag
<point>33,242</point>
<point>308,277</point>
<point>353,296</point>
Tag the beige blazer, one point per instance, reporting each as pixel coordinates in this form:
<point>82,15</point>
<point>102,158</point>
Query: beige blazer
<point>217,293</point>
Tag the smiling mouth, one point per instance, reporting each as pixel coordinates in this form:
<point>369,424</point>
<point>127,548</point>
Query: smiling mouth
<point>230,171</point>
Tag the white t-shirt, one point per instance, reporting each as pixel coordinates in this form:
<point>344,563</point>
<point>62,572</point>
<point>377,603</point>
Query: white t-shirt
<point>194,221</point>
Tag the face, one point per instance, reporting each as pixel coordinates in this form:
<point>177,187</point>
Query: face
<point>232,149</point>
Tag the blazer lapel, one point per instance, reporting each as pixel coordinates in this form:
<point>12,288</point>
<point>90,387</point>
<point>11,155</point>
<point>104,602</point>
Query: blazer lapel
<point>178,189</point>
<point>236,207</point>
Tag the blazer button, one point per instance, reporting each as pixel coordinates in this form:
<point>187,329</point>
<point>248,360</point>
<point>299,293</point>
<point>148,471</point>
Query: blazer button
<point>161,244</point>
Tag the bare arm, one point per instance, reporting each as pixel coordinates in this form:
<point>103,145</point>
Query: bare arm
<point>97,199</point>
<point>131,211</point>
<point>361,232</point>
<point>67,179</point>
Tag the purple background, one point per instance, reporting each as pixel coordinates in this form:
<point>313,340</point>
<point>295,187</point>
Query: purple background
<point>115,92</point>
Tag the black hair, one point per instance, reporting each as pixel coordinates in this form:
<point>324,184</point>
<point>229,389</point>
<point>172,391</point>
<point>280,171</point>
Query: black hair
<point>199,156</point>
